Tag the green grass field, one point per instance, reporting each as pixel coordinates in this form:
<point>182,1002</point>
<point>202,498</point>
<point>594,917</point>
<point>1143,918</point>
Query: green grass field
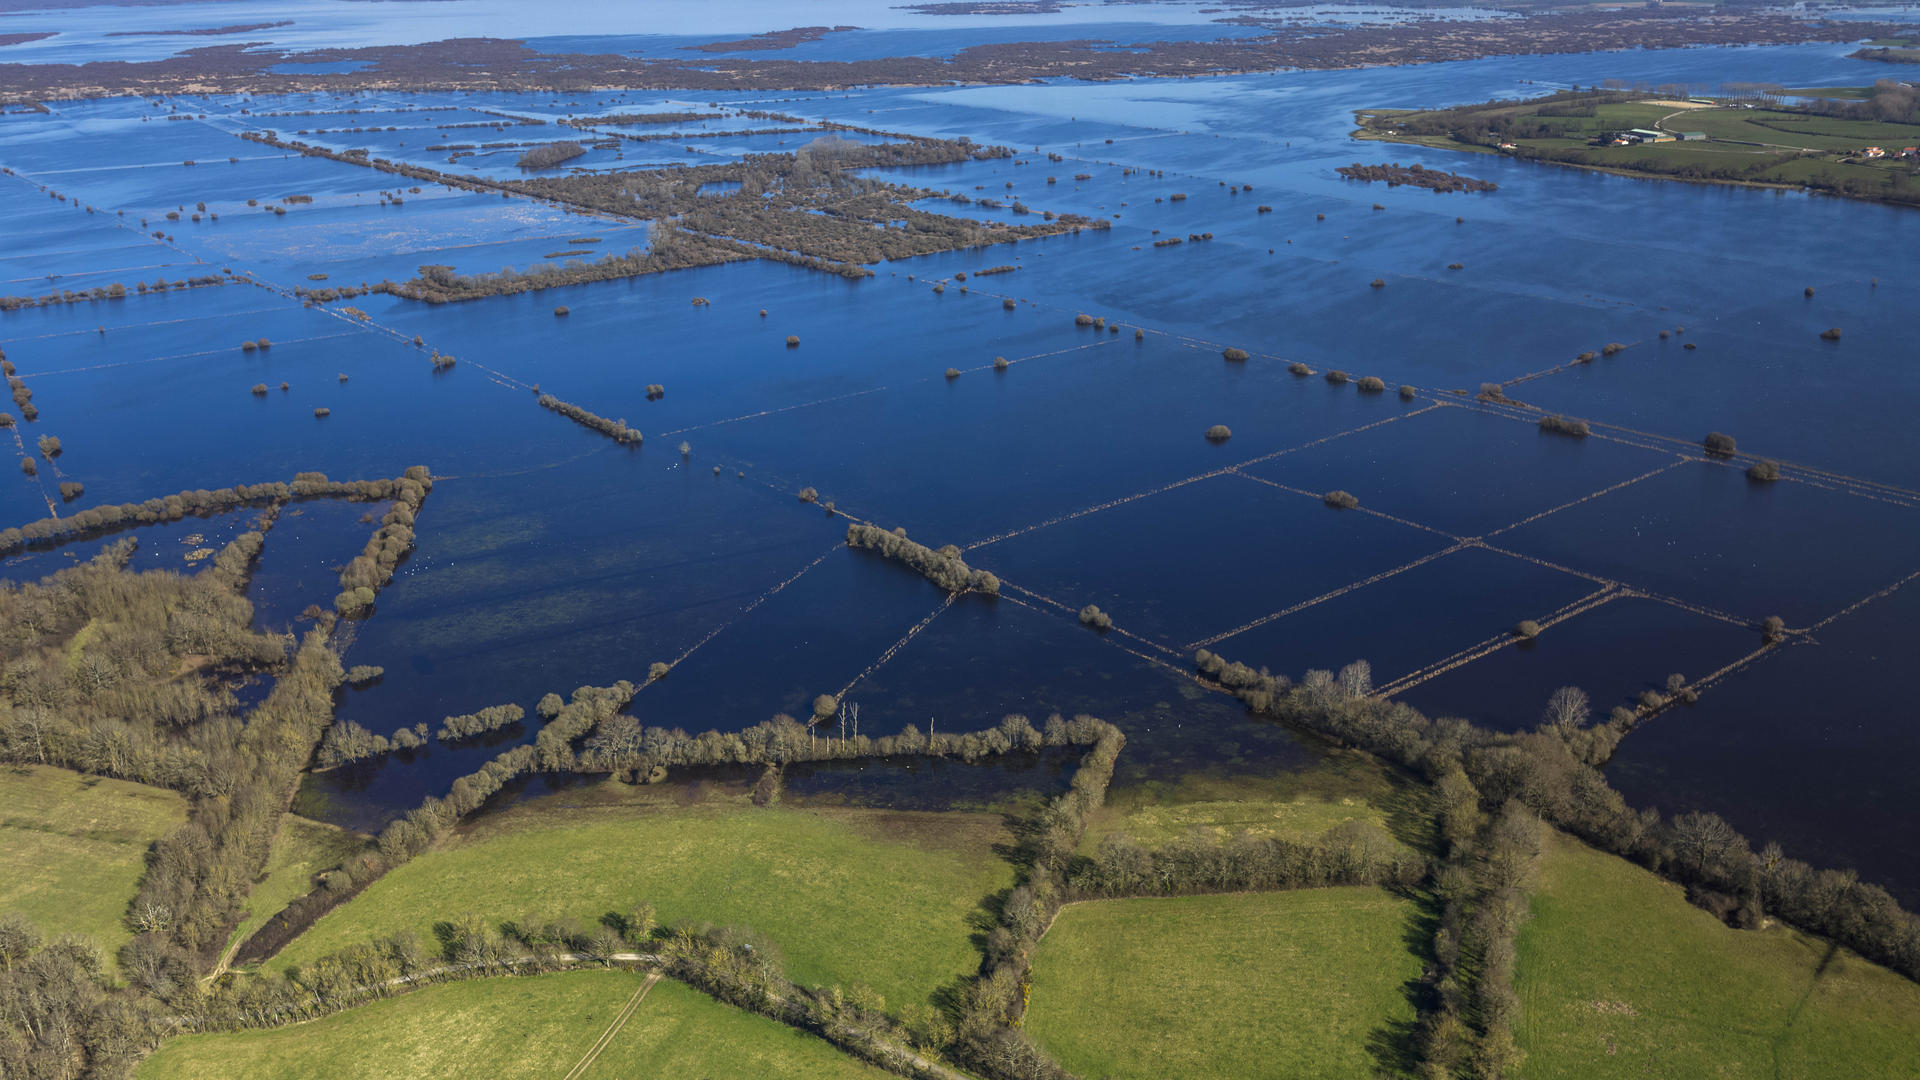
<point>303,849</point>
<point>1344,788</point>
<point>1620,977</point>
<point>849,895</point>
<point>1288,984</point>
<point>510,1028</point>
<point>74,847</point>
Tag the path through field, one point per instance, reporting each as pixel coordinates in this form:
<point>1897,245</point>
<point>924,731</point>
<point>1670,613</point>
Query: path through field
<point>613,1029</point>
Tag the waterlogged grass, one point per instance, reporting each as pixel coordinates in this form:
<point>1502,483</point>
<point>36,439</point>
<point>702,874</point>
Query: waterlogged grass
<point>302,849</point>
<point>1296,804</point>
<point>510,1028</point>
<point>73,847</point>
<point>848,895</point>
<point>1620,977</point>
<point>1288,984</point>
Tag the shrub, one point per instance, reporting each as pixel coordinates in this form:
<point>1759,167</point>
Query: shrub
<point>1455,266</point>
<point>323,411</point>
<point>260,388</point>
<point>1007,303</point>
<point>49,446</point>
<point>360,674</point>
<point>263,343</point>
<point>1300,369</point>
<point>1832,333</point>
<point>1372,384</point>
<point>793,341</point>
<point>343,376</point>
<point>1235,355</point>
<point>1340,500</point>
<point>808,495</point>
<point>1491,391</point>
<point>27,466</point>
<point>953,373</point>
<point>1000,363</point>
<point>1319,217</point>
<point>248,346</point>
<point>1718,444</point>
<point>71,490</point>
<point>1219,433</point>
<point>6,418</point>
<point>686,448</point>
<point>825,707</point>
<point>1526,629</point>
<point>1561,425</point>
<point>1764,471</point>
<point>562,311</point>
<point>284,386</point>
<point>1586,357</point>
<point>1809,290</point>
<point>1139,334</point>
<point>1083,320</point>
<point>1773,630</point>
<point>1379,283</point>
<point>1612,348</point>
<point>1407,392</point>
<point>1091,615</point>
<point>1337,377</point>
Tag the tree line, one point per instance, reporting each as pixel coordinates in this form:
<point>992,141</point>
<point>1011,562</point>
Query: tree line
<point>986,1035</point>
<point>944,567</point>
<point>1554,772</point>
<point>1354,853</point>
<point>102,519</point>
<point>617,430</point>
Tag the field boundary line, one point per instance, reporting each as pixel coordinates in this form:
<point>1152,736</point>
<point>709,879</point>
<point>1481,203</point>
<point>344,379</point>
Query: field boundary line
<point>1494,644</point>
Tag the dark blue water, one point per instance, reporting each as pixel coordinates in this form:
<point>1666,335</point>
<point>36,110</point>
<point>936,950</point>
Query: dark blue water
<point>1809,748</point>
<point>549,558</point>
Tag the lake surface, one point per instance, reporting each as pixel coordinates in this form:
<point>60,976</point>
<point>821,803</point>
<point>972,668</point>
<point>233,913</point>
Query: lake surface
<point>550,558</point>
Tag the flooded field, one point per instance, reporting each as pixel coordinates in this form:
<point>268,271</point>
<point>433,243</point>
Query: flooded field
<point>1078,471</point>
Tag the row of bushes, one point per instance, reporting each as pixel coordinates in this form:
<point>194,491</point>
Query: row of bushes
<point>373,568</point>
<point>1554,772</point>
<point>988,1036</point>
<point>1355,853</point>
<point>115,291</point>
<point>617,430</point>
<point>99,519</point>
<point>944,567</point>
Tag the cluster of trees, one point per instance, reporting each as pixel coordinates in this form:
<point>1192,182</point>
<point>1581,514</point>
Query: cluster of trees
<point>617,430</point>
<point>811,206</point>
<point>1554,772</point>
<point>550,154</point>
<point>111,703</point>
<point>1355,853</point>
<point>1563,425</point>
<point>59,1015</point>
<point>468,725</point>
<point>987,1034</point>
<point>944,567</point>
<point>669,248</point>
<point>197,878</point>
<point>347,741</point>
<point>1417,175</point>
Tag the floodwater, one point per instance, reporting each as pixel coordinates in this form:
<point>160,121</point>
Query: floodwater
<point>549,558</point>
